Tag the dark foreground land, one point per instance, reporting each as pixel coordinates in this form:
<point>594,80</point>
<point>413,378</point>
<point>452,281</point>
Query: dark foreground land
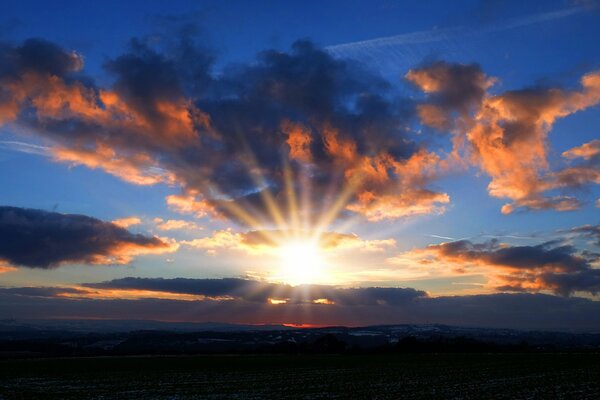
<point>397,376</point>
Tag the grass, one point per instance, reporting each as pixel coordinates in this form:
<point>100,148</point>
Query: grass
<point>410,376</point>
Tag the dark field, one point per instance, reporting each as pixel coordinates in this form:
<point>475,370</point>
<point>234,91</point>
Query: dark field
<point>410,376</point>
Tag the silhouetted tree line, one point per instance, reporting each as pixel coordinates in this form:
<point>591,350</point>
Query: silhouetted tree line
<point>155,343</point>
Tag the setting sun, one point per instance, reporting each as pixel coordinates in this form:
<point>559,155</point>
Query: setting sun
<point>301,262</point>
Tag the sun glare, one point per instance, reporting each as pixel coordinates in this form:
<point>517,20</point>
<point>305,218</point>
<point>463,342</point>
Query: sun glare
<point>302,262</point>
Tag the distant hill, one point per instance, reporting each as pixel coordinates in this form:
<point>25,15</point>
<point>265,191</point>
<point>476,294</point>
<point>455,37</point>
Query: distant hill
<point>116,325</point>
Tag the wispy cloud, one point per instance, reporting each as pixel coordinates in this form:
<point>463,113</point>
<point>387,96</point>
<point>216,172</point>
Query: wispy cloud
<point>23,147</point>
<point>442,237</point>
<point>406,42</point>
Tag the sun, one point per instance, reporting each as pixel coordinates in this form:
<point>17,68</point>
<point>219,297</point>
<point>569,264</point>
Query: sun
<point>301,262</point>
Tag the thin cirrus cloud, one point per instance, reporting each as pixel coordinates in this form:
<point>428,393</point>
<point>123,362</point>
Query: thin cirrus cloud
<point>42,239</point>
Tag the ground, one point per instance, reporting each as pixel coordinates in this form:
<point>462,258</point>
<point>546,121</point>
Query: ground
<point>403,376</point>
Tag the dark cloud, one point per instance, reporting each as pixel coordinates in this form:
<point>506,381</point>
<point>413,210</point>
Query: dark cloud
<point>38,56</point>
<point>41,239</point>
<point>256,291</point>
<point>519,311</point>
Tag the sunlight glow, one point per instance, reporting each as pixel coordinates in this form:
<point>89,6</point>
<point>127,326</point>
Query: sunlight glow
<point>302,262</point>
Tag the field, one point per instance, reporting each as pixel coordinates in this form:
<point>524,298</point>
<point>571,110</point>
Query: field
<point>408,376</point>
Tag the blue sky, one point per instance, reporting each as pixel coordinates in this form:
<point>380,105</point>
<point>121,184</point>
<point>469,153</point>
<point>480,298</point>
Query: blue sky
<point>540,50</point>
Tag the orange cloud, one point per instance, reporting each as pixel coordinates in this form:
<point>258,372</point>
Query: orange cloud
<point>123,253</point>
<point>298,139</point>
<point>509,139</point>
<point>585,151</point>
<point>171,124</point>
<point>175,224</point>
<point>421,202</point>
<point>334,241</point>
<point>6,267</point>
<point>137,168</point>
<point>386,187</point>
<point>127,222</point>
<point>551,266</point>
<point>190,204</point>
<point>82,292</point>
<point>506,134</point>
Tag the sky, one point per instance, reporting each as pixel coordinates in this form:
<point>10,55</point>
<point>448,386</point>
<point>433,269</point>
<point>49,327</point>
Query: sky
<point>307,163</point>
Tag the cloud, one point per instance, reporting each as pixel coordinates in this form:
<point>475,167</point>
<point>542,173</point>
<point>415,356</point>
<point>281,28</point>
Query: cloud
<point>585,151</point>
<point>452,88</point>
<point>586,171</point>
<point>41,239</point>
<point>127,222</point>
<point>190,204</point>
<point>4,267</point>
<point>295,135</point>
<point>134,168</point>
<point>551,266</point>
<point>175,224</point>
<point>243,144</point>
<point>242,301</point>
<point>264,292</point>
<point>505,135</point>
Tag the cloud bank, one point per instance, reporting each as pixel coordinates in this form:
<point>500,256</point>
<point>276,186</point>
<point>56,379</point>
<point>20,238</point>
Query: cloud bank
<point>244,301</point>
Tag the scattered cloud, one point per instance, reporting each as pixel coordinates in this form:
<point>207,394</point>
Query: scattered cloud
<point>5,267</point>
<point>585,151</point>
